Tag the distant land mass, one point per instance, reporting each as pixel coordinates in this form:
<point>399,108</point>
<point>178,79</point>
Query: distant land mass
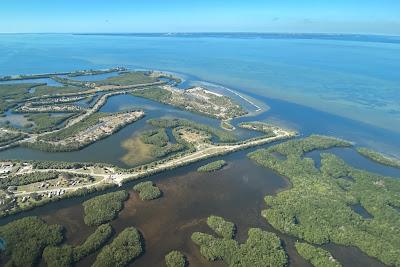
<point>324,36</point>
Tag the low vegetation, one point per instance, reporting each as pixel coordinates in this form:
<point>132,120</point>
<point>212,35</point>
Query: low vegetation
<point>159,141</point>
<point>85,132</point>
<point>147,190</point>
<point>261,249</point>
<point>46,90</point>
<point>154,93</point>
<point>95,72</point>
<point>124,249</point>
<point>318,257</point>
<point>66,255</point>
<point>378,157</point>
<point>46,122</point>
<point>12,94</point>
<point>128,78</point>
<point>23,179</point>
<point>227,126</point>
<point>258,126</point>
<point>223,136</point>
<point>76,128</point>
<point>212,166</point>
<point>10,137</point>
<point>318,206</point>
<point>26,238</point>
<point>175,259</point>
<point>104,208</point>
<point>196,99</point>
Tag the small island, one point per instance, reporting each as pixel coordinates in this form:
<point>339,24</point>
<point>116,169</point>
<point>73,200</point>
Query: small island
<point>175,259</point>
<point>379,157</point>
<point>104,208</point>
<point>262,248</point>
<point>147,190</point>
<point>67,255</point>
<point>212,166</point>
<point>123,249</point>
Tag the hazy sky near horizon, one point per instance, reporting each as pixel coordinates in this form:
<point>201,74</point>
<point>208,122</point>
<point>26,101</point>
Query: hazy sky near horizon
<point>337,16</point>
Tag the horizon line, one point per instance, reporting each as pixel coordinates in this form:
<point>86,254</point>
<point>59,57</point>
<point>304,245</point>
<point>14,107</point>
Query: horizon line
<point>212,32</point>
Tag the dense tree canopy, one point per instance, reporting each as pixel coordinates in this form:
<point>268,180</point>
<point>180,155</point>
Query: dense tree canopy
<point>104,208</point>
<point>124,248</point>
<point>261,249</point>
<point>175,259</point>
<point>318,206</point>
<point>26,238</point>
<point>316,256</point>
<point>66,255</point>
<point>147,190</point>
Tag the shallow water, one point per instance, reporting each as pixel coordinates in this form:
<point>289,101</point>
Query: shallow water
<point>354,159</point>
<point>48,81</point>
<point>109,150</point>
<point>354,79</point>
<point>16,120</point>
<point>95,77</point>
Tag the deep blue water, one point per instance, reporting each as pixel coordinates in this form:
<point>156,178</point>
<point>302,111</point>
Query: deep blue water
<point>354,77</point>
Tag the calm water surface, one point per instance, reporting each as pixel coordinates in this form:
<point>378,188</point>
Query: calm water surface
<point>356,80</point>
<point>235,193</point>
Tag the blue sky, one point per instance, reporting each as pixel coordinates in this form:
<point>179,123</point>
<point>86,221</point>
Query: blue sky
<point>336,16</point>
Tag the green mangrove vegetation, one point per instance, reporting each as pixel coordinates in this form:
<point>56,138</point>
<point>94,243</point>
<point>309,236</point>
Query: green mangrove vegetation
<point>159,140</point>
<point>46,90</point>
<point>128,78</point>
<point>104,208</point>
<point>212,166</point>
<point>76,128</point>
<point>95,72</point>
<point>175,259</point>
<point>258,126</point>
<point>221,227</point>
<point>261,249</point>
<point>223,136</point>
<point>154,93</point>
<point>26,238</point>
<point>147,190</point>
<point>318,206</point>
<point>10,137</point>
<point>227,126</point>
<point>124,249</point>
<point>318,257</point>
<point>66,255</point>
<point>12,94</point>
<point>28,178</point>
<point>46,121</point>
<point>378,157</point>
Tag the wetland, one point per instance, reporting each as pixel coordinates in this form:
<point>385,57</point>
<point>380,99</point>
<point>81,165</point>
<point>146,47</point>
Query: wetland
<point>168,136</point>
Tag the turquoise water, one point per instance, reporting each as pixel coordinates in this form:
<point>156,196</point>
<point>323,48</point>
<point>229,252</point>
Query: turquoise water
<point>353,78</point>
